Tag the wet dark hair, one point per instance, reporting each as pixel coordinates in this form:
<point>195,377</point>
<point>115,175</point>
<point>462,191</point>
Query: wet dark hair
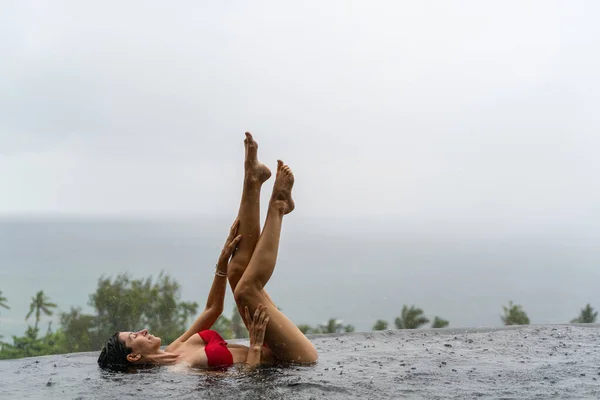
<point>114,355</point>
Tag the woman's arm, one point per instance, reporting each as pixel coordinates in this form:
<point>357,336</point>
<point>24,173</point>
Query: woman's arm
<point>257,328</point>
<point>216,295</point>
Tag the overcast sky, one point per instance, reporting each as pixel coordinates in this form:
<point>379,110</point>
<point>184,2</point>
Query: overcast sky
<point>463,110</point>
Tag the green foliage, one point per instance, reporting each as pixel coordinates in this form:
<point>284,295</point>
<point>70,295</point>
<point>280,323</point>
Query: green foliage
<point>3,301</point>
<point>128,305</point>
<point>411,318</point>
<point>514,315</point>
<point>40,303</point>
<point>439,323</point>
<point>233,328</point>
<point>380,325</point>
<point>79,331</point>
<point>306,329</point>
<point>223,326</point>
<point>587,316</point>
<point>332,326</point>
<point>3,304</point>
<point>120,304</point>
<point>237,325</point>
<point>32,346</point>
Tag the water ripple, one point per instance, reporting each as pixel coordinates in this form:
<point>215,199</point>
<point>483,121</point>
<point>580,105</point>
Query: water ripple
<point>511,363</point>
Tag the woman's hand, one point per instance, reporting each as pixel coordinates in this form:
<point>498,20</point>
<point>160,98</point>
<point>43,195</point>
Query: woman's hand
<point>257,326</point>
<point>230,245</point>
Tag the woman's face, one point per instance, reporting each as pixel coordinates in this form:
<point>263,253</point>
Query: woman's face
<point>141,342</point>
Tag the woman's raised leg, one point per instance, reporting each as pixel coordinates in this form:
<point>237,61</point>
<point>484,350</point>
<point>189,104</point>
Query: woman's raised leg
<point>282,336</point>
<point>255,174</point>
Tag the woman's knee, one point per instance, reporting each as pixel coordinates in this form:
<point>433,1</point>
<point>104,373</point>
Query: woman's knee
<point>246,295</point>
<point>235,272</point>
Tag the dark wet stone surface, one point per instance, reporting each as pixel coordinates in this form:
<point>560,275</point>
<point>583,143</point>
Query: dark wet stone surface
<point>544,362</point>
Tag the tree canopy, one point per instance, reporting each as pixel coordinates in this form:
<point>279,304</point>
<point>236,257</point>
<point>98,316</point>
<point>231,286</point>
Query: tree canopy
<point>411,318</point>
<point>119,304</point>
<point>40,304</point>
<point>380,325</point>
<point>587,316</point>
<point>514,315</point>
<point>439,323</point>
<point>126,304</point>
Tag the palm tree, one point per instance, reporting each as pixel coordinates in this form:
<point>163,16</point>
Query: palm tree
<point>439,323</point>
<point>3,305</point>
<point>332,326</point>
<point>40,304</point>
<point>587,316</point>
<point>3,301</point>
<point>514,315</point>
<point>380,325</point>
<point>411,318</point>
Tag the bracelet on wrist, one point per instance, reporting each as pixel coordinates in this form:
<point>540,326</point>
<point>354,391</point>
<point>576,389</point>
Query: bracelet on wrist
<point>220,273</point>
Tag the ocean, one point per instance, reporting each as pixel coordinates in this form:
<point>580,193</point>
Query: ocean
<point>357,271</point>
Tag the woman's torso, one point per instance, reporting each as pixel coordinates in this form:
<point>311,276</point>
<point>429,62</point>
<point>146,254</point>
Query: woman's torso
<point>193,352</point>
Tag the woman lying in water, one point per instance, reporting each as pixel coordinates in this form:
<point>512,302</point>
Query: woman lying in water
<point>273,337</point>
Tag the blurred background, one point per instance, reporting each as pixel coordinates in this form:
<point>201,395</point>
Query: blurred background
<point>444,154</point>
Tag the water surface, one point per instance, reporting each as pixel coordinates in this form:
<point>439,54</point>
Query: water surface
<point>551,361</point>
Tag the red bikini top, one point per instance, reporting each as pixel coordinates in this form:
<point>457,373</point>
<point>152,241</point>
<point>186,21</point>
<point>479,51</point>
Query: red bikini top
<point>217,353</point>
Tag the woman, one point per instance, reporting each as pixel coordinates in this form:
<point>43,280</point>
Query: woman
<point>273,337</point>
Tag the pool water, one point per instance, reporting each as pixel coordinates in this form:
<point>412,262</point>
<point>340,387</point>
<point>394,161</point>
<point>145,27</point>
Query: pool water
<point>549,361</point>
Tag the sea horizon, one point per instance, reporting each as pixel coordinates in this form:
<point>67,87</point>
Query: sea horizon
<point>357,270</point>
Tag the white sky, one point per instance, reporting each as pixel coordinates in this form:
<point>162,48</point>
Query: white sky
<point>465,110</point>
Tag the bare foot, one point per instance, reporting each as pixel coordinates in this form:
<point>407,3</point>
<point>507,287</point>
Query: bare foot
<point>282,189</point>
<point>255,171</point>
